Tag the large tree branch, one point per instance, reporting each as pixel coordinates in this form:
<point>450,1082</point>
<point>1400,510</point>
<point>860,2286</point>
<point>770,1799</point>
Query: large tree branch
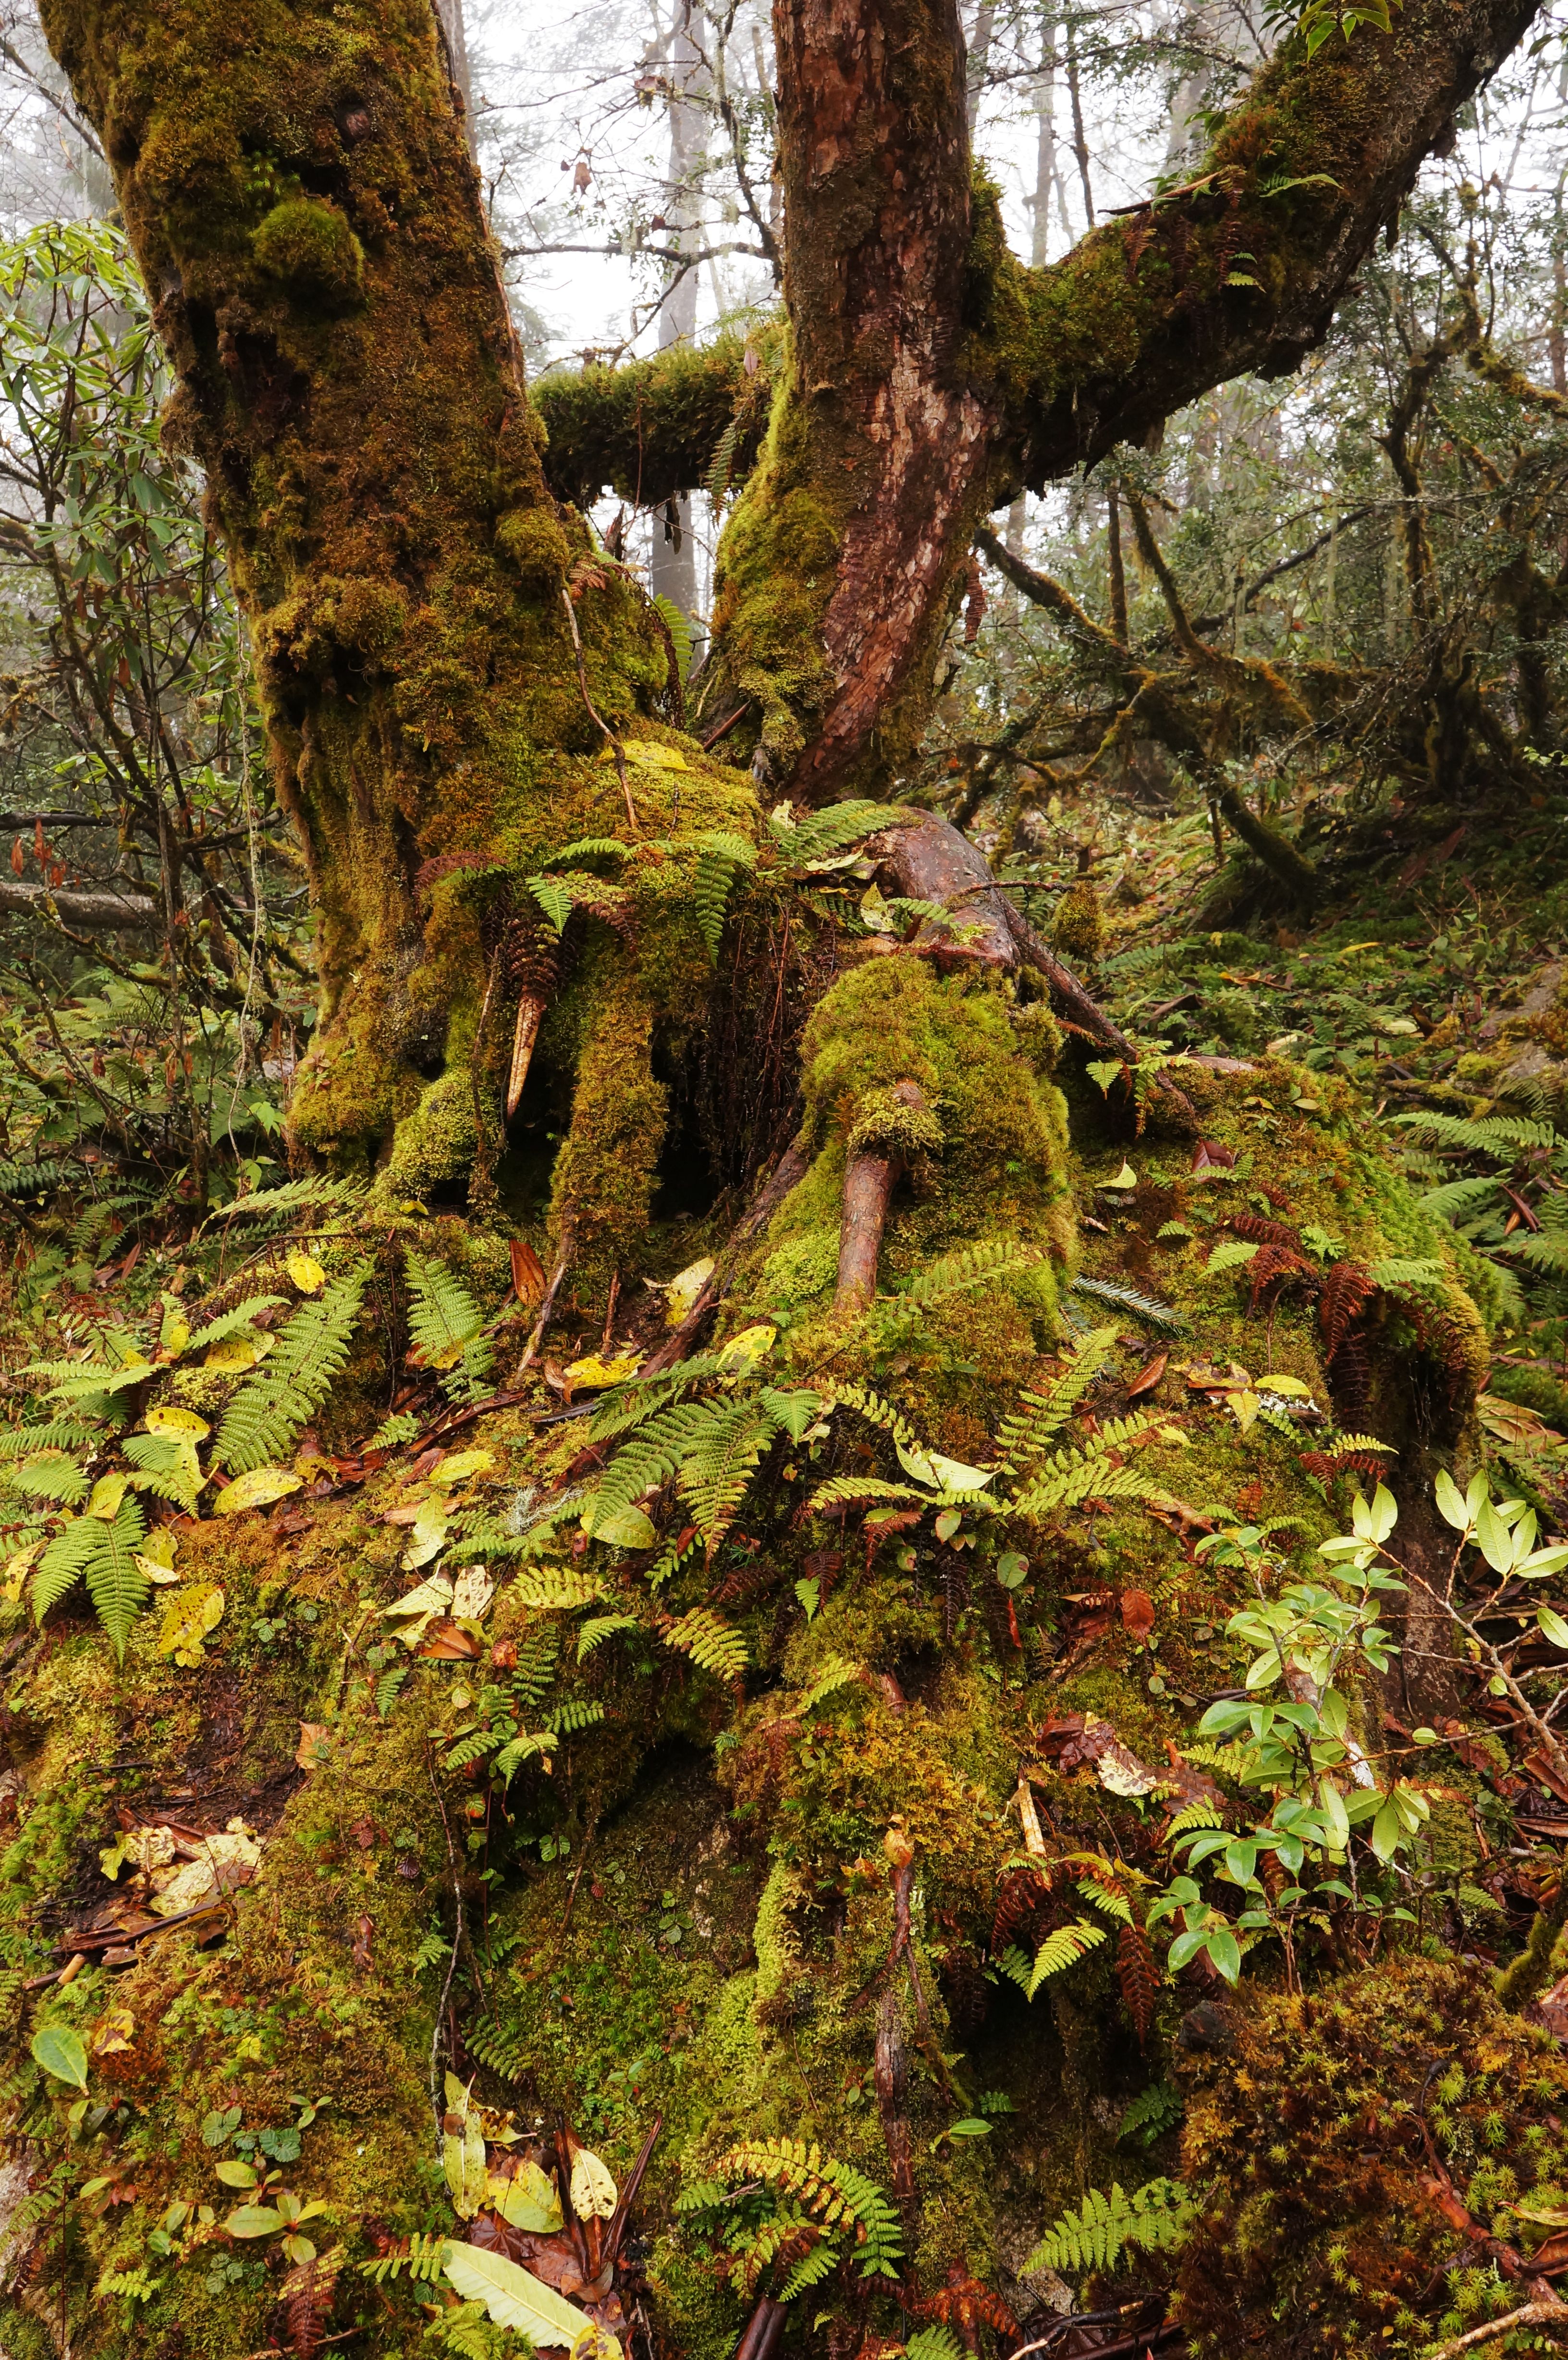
<point>653,428</point>
<point>104,912</point>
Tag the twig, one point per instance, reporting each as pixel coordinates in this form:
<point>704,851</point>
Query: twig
<point>547,1308</point>
<point>1554,2315</point>
<point>617,749</point>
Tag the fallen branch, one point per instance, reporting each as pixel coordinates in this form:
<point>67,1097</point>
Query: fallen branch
<point>1551,2315</point>
<point>103,913</point>
<point>1087,1014</point>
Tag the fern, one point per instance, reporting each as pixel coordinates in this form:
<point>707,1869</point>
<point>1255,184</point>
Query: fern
<point>420,2255</point>
<point>229,1323</point>
<point>833,2193</point>
<point>1497,1135</point>
<point>680,631</point>
<point>1154,2112</point>
<point>1060,1951</point>
<point>271,1406</point>
<point>935,2343</point>
<point>1147,1307</point>
<point>35,1179</point>
<point>1459,1196</point>
<point>556,1589</point>
<point>447,1325</point>
<point>710,1642</point>
<point>600,1627</point>
<point>167,1467</point>
<point>1071,1477</point>
<point>810,2270</point>
<point>722,857</point>
<point>388,1687</point>
<point>958,1273</point>
<point>825,831</point>
<point>394,1431</point>
<point>104,1555</point>
<point>1094,2237</point>
<point>573,1713</point>
<point>1401,1270</point>
<point>315,1193</point>
<point>53,1434</point>
<point>721,466</point>
<point>876,1411</point>
<point>1548,1252</point>
<point>49,1475</point>
<point>507,2054</point>
<point>1028,1431</point>
<point>850,1491</point>
<point>837,1673</point>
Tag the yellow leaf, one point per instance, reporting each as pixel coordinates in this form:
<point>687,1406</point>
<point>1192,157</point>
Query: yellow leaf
<point>752,1345</point>
<point>1244,1407</point>
<point>175,1333</point>
<point>17,1568</point>
<point>592,1374</point>
<point>114,2034</point>
<point>187,1619</point>
<point>471,1595</point>
<point>681,1293</point>
<point>232,1354</point>
<point>592,2190</point>
<point>223,1861</point>
<point>1291,1386</point>
<point>1125,1178</point>
<point>651,756</point>
<point>169,1418</point>
<point>428,1536</point>
<point>629,1528</point>
<point>305,1271</point>
<point>528,2201</point>
<point>107,1493</point>
<point>461,1466</point>
<point>257,1490</point>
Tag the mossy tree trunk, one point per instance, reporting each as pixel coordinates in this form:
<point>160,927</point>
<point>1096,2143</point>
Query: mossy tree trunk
<point>307,215</point>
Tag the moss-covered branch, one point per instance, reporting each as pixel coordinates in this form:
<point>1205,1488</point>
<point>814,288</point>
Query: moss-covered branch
<point>687,416</point>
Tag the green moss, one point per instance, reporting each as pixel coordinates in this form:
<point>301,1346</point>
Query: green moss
<point>309,246</point>
<point>604,1176</point>
<point>1079,928</point>
<point>1535,1389</point>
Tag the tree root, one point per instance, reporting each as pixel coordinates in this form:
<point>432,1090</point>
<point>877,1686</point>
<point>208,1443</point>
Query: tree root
<point>869,1180</point>
<point>1552,2315</point>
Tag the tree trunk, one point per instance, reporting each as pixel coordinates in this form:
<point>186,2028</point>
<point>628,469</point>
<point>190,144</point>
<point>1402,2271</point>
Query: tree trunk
<point>303,204</point>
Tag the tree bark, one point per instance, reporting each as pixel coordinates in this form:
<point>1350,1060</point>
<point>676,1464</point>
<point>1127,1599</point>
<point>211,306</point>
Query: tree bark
<point>303,204</point>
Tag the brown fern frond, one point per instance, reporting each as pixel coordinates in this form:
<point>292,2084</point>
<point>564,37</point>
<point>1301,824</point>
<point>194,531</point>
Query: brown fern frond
<point>956,1594</point>
<point>1352,1378</point>
<point>1443,1341</point>
<point>1347,1292</point>
<point>1139,1977</point>
<point>1019,1905</point>
<point>1326,1464</point>
<point>1272,1268</point>
<point>307,2296</point>
<point>1277,1196</point>
<point>1266,1233</point>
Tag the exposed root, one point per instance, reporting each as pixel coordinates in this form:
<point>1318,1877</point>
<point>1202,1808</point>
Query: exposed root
<point>869,1180</point>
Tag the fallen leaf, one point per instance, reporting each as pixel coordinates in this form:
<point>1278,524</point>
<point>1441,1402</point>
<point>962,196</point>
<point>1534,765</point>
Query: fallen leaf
<point>189,1614</point>
<point>471,1594</point>
<point>449,1643</point>
<point>1125,1178</point>
<point>1149,1376</point>
<point>594,1373</point>
<point>461,1466</point>
<point>746,1349</point>
<point>592,2190</point>
<point>60,2049</point>
<point>681,1293</point>
<point>232,1355</point>
<point>529,1280</point>
<point>515,2297</point>
<point>1138,1613</point>
<point>225,1861</point>
<point>1210,1156</point>
<point>528,2199</point>
<point>169,1417</point>
<point>257,1490</point>
<point>107,1494</point>
<point>115,2033</point>
<point>314,1751</point>
<point>306,1272</point>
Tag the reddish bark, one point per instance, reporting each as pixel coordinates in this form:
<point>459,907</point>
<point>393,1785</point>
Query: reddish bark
<point>869,1181</point>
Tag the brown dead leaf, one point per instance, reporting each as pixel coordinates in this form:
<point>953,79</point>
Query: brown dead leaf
<point>529,1280</point>
<point>314,1751</point>
<point>1149,1376</point>
<point>449,1644</point>
<point>363,1927</point>
<point>1138,1613</point>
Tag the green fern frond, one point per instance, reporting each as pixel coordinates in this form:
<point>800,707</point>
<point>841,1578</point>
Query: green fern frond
<point>574,1713</point>
<point>710,1642</point>
<point>49,1475</point>
<point>876,1411</point>
<point>810,2270</point>
<point>825,831</point>
<point>1094,2237</point>
<point>721,466</point>
<point>632,1404</point>
<point>167,1467</point>
<point>852,1490</point>
<point>1459,1196</point>
<point>1073,1476</point>
<point>1147,1307</point>
<point>388,1687</point>
<point>837,1673</point>
<point>722,857</point>
<point>294,1380</point>
<point>315,1193</point>
<point>960,1274</point>
<point>680,631</point>
<point>936,2342</point>
<point>600,1627</point>
<point>1547,1251</point>
<point>1029,1431</point>
<point>505,2053</point>
<point>1200,1814</point>
<point>447,1325</point>
<point>1494,1135</point>
<point>833,2193</point>
<point>422,2257</point>
<point>1060,1951</point>
<point>53,1434</point>
<point>556,1589</point>
<point>229,1323</point>
<point>103,1554</point>
<point>1401,1270</point>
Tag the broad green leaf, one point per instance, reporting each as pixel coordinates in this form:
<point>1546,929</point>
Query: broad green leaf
<point>253,2221</point>
<point>515,2297</point>
<point>528,2201</point>
<point>60,2049</point>
<point>1552,1626</point>
<point>1493,1539</point>
<point>169,1418</point>
<point>235,2174</point>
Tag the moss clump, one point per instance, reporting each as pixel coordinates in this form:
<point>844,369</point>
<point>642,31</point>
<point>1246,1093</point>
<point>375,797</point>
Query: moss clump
<point>885,1125</point>
<point>1534,1389</point>
<point>309,245</point>
<point>1301,2134</point>
<point>1078,930</point>
<point>604,1176</point>
<point>534,544</point>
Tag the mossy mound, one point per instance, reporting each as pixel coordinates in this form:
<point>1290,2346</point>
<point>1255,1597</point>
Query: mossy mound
<point>1334,2135</point>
